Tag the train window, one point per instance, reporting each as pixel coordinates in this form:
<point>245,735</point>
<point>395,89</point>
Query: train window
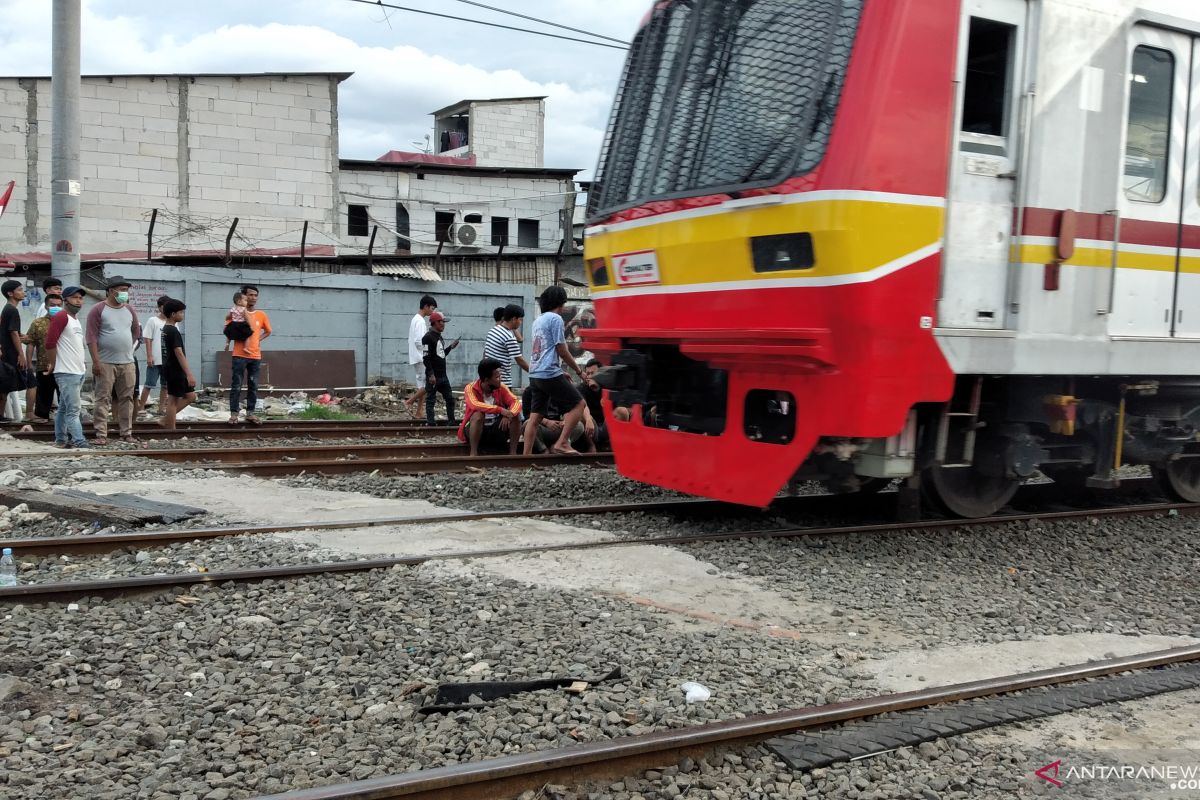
<point>987,91</point>
<point>770,416</point>
<point>1148,137</point>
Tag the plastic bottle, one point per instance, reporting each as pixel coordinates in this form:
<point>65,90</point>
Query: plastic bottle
<point>8,569</point>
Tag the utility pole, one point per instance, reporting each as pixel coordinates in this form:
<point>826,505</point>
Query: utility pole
<point>65,133</point>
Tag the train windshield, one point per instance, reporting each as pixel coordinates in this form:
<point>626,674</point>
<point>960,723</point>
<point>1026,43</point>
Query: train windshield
<point>722,94</point>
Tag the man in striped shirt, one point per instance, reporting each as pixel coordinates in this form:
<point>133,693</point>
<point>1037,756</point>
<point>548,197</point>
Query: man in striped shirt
<point>501,343</point>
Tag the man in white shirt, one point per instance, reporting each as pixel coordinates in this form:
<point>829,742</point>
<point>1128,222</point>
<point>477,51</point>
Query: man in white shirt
<point>64,344</point>
<point>152,339</point>
<point>417,329</point>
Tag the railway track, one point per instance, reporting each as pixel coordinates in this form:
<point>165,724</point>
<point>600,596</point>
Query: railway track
<point>872,506</point>
<point>61,592</point>
<point>336,459</point>
<point>604,760</point>
<point>345,429</point>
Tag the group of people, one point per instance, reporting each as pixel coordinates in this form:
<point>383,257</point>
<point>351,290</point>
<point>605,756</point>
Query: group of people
<point>51,359</point>
<point>553,414</point>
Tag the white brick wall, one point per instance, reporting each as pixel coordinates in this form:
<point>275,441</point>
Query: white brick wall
<point>508,134</point>
<point>464,192</point>
<point>258,147</point>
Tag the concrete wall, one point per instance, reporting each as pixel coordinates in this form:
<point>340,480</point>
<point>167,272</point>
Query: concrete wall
<point>487,194</point>
<point>508,133</point>
<point>203,149</point>
<point>318,311</point>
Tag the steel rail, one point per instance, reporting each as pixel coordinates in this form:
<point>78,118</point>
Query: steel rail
<point>57,592</point>
<point>584,763</point>
<point>273,430</point>
<point>809,504</point>
<point>107,543</point>
<point>288,453</point>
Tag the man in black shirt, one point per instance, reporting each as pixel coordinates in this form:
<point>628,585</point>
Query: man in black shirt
<point>436,379</point>
<point>176,372</point>
<point>13,375</point>
<point>592,395</point>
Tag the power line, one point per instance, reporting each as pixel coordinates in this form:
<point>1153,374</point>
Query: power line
<point>380,4</point>
<point>543,21</point>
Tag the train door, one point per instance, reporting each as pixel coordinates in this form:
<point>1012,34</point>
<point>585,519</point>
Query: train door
<point>1153,198</point>
<point>1187,275</point>
<point>979,215</point>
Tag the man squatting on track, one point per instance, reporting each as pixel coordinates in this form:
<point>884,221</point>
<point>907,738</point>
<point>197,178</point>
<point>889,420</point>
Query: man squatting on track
<point>546,375</point>
<point>493,413</point>
<point>416,352</point>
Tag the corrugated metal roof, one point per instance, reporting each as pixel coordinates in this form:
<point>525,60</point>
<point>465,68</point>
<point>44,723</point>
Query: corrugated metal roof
<point>406,270</point>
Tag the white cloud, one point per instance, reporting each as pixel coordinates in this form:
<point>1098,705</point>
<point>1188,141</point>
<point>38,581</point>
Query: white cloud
<point>395,86</point>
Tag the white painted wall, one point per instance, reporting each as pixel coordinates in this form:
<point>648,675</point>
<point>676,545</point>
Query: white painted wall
<point>204,149</point>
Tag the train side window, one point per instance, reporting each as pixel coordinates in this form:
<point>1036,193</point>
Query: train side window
<point>1148,136</point>
<point>987,91</point>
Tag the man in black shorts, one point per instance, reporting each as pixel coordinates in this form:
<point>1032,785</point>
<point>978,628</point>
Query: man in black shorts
<point>492,419</point>
<point>546,376</point>
<point>176,374</point>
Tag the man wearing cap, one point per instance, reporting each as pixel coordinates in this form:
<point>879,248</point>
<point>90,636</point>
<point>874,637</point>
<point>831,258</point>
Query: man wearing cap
<point>436,379</point>
<point>112,333</point>
<point>65,350</point>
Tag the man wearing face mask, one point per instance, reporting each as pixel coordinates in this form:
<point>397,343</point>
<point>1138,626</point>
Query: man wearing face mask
<point>65,348</point>
<point>35,342</point>
<point>112,333</point>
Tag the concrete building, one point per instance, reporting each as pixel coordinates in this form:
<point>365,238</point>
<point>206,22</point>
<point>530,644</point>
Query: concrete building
<point>196,152</point>
<point>504,132</point>
<point>202,149</point>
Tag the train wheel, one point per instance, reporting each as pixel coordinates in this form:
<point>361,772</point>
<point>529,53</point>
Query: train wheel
<point>1180,479</point>
<point>965,492</point>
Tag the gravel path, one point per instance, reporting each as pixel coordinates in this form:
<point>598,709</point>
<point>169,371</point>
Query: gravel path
<point>1132,576</point>
<point>562,485</point>
<point>254,689</point>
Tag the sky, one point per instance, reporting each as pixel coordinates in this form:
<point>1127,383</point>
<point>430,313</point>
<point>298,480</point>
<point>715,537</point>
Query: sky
<point>405,65</point>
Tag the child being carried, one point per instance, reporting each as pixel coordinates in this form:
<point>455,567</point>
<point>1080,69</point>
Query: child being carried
<point>237,329</point>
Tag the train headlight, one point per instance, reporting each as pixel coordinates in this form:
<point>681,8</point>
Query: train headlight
<point>785,251</point>
<point>598,270</point>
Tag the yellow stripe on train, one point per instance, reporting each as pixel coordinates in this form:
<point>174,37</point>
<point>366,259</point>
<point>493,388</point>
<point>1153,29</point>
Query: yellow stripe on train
<point>849,237</point>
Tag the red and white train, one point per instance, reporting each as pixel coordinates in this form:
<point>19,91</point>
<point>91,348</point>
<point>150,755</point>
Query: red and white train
<point>953,241</point>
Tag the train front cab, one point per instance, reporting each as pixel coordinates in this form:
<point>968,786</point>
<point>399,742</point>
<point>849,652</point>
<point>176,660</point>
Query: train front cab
<point>757,316</point>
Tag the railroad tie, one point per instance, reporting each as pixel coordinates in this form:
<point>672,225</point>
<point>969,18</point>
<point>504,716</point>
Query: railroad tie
<point>808,751</point>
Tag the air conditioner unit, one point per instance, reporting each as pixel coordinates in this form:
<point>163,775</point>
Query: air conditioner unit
<point>464,233</point>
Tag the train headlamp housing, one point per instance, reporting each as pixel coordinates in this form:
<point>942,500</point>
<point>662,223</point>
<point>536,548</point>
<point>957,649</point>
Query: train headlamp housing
<point>783,252</point>
<point>598,271</point>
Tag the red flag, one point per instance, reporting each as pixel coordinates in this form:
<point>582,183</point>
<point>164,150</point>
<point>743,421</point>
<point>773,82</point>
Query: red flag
<point>7,194</point>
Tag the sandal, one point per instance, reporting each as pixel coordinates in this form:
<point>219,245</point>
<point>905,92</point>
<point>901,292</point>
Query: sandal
<point>129,440</point>
<point>253,420</point>
<point>100,441</point>
<point>233,420</point>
